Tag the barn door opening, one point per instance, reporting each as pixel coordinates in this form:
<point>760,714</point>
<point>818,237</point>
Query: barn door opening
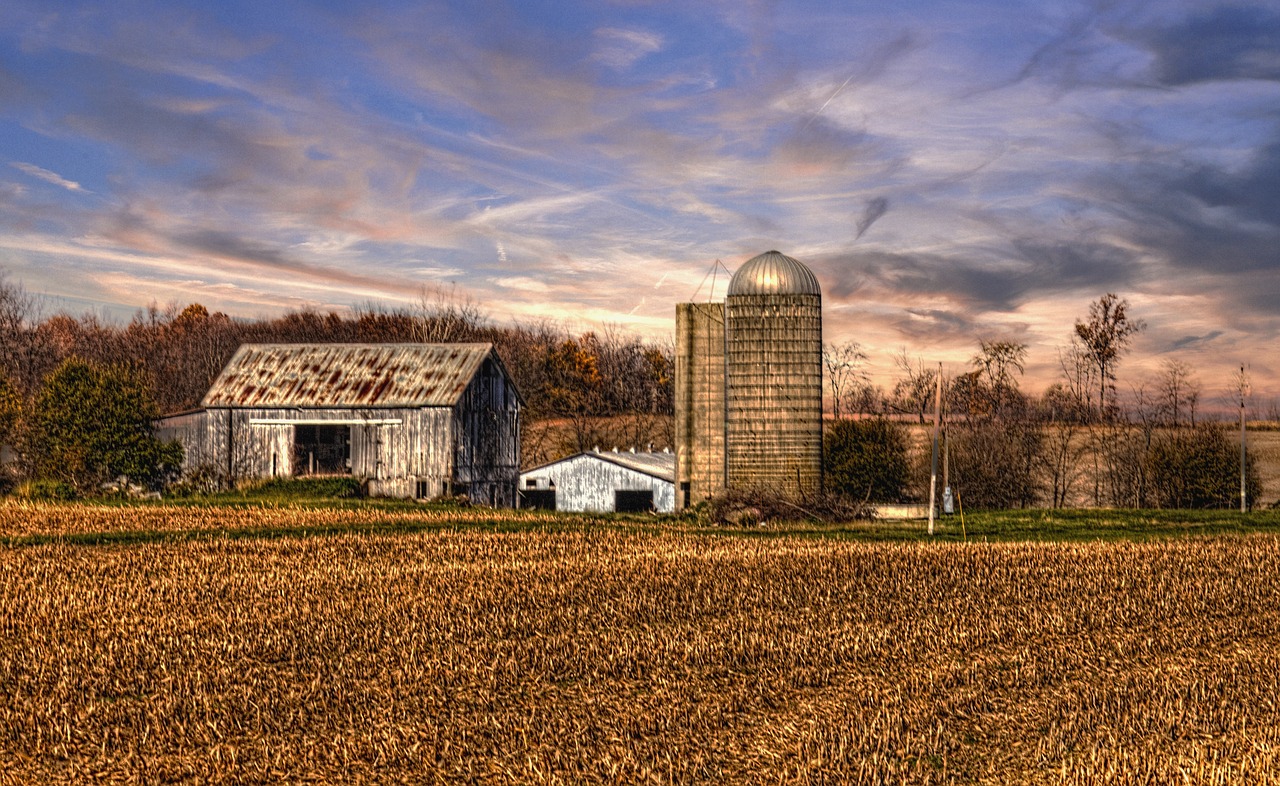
<point>625,501</point>
<point>321,450</point>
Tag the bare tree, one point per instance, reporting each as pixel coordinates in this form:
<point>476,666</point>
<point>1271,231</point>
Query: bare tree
<point>1106,336</point>
<point>914,391</point>
<point>443,315</point>
<point>845,372</point>
<point>1177,391</point>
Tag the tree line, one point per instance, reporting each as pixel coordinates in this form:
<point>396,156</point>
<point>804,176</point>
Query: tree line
<point>166,358</point>
<point>1077,443</point>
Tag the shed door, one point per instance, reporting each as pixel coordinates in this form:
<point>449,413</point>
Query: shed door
<point>625,501</point>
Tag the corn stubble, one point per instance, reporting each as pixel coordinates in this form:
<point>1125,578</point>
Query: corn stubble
<point>604,656</point>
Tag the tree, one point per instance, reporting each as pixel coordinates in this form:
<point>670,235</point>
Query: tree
<point>1177,391</point>
<point>845,373</point>
<point>1105,337</point>
<point>997,450</point>
<point>914,392</point>
<point>93,423</point>
<point>866,460</point>
<point>1198,468</point>
<point>996,385</point>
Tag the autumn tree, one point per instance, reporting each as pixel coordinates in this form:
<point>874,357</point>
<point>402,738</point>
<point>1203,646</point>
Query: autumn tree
<point>1104,337</point>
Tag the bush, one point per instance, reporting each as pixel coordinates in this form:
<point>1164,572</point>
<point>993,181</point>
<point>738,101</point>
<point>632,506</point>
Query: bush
<point>1198,468</point>
<point>745,508</point>
<point>92,424</point>
<point>866,460</point>
<point>46,491</point>
<point>993,463</point>
<point>341,487</point>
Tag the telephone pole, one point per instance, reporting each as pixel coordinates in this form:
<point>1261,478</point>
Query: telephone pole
<point>1244,385</point>
<point>933,473</point>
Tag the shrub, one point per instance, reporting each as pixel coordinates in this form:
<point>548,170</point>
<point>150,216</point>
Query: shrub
<point>1198,468</point>
<point>92,424</point>
<point>993,463</point>
<point>866,460</point>
<point>46,491</point>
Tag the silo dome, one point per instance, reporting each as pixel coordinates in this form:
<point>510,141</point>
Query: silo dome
<point>774,273</point>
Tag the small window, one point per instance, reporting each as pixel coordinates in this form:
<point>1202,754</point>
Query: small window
<point>530,483</point>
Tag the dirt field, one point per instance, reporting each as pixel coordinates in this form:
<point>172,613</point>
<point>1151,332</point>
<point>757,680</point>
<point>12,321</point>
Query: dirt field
<point>606,655</point>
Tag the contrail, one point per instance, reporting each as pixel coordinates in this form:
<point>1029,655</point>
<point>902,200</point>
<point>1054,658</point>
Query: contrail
<point>829,100</point>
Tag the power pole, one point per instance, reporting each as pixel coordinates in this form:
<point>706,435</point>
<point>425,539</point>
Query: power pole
<point>933,472</point>
<point>1244,385</point>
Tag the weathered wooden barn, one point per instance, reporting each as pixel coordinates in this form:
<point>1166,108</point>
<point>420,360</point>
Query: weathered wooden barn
<point>603,482</point>
<point>414,420</point>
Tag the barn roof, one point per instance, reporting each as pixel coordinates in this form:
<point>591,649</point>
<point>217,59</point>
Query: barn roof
<point>347,375</point>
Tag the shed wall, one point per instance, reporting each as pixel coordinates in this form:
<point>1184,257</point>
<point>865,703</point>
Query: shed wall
<point>586,484</point>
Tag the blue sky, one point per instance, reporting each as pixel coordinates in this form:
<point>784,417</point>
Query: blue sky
<point>951,170</point>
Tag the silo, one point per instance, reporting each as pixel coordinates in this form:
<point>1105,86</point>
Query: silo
<point>773,359</point>
<point>700,402</point>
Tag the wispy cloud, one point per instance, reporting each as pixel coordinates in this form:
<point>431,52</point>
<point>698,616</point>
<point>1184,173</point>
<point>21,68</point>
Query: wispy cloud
<point>620,49</point>
<point>40,173</point>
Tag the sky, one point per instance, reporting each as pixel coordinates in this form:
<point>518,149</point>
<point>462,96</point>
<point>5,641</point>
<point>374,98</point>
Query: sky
<point>952,170</point>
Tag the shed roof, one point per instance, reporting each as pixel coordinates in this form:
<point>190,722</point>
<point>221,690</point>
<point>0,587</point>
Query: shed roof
<point>347,375</point>
<point>659,465</point>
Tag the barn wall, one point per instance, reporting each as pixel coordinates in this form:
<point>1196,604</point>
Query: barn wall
<point>393,457</point>
<point>486,426</point>
<point>586,484</point>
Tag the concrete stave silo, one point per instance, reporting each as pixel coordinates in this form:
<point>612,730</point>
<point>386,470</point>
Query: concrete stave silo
<point>773,361</point>
<point>749,385</point>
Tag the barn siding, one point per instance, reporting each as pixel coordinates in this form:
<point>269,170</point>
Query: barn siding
<point>473,445</point>
<point>486,425</point>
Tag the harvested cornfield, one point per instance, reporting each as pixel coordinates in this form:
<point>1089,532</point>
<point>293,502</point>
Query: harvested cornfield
<point>606,655</point>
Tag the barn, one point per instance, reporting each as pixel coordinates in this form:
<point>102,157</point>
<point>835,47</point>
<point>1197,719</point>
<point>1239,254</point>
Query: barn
<point>603,482</point>
<point>413,420</point>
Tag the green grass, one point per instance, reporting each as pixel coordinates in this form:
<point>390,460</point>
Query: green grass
<point>989,526</point>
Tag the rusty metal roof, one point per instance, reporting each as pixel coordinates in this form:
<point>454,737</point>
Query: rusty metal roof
<point>347,375</point>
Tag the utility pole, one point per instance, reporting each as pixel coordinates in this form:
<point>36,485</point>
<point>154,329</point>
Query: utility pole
<point>1244,387</point>
<point>933,472</point>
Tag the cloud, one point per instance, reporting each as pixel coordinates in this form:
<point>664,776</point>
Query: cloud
<point>1194,341</point>
<point>876,207</point>
<point>1228,42</point>
<point>619,49</point>
<point>49,177</point>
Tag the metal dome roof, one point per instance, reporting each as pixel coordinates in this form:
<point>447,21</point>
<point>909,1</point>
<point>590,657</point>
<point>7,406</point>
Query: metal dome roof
<point>773,273</point>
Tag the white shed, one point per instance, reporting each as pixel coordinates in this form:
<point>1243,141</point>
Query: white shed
<point>603,482</point>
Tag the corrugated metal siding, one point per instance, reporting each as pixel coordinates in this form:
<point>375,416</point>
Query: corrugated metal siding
<point>346,375</point>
